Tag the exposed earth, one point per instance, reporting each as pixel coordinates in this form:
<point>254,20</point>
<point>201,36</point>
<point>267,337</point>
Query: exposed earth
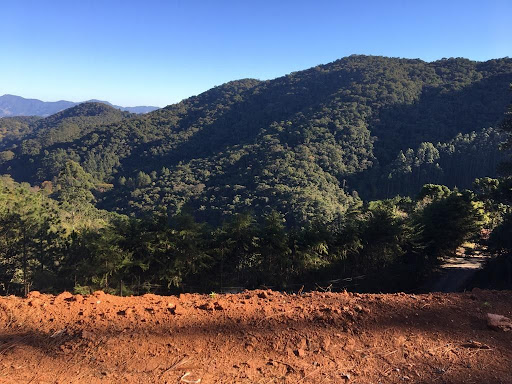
<point>255,337</point>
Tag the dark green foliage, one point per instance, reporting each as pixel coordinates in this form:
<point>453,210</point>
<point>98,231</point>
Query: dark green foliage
<point>74,184</point>
<point>433,192</point>
<point>31,234</point>
<point>239,237</point>
<point>447,221</point>
<point>501,238</point>
<point>74,123</point>
<point>257,183</point>
<point>301,144</point>
<point>496,196</point>
<point>275,250</point>
<point>455,163</point>
<point>184,254</point>
<point>34,143</point>
<point>14,129</point>
<point>44,246</point>
<point>506,126</point>
<point>381,235</point>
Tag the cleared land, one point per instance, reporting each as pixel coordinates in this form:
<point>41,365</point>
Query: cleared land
<point>255,337</point>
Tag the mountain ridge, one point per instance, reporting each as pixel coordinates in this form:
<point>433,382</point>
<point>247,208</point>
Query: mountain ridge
<point>33,133</point>
<point>308,144</point>
<point>13,105</point>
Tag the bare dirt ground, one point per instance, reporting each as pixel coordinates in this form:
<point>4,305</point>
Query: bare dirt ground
<point>255,337</point>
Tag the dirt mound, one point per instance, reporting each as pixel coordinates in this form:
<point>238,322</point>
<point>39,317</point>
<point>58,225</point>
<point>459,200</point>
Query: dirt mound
<point>255,337</point>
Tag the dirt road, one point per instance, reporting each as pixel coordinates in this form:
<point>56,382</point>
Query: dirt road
<point>457,271</point>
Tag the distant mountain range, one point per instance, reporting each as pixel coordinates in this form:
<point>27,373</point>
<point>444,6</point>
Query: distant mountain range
<point>11,105</point>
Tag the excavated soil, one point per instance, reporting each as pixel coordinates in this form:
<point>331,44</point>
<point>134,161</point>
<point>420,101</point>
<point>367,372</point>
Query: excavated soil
<point>255,337</point>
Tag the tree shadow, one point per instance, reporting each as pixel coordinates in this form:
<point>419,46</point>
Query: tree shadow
<point>438,320</point>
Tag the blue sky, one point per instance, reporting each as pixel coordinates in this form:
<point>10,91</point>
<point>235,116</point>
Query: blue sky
<point>159,52</point>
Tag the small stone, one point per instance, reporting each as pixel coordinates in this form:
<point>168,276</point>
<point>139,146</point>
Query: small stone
<point>179,310</point>
<point>325,343</point>
<point>64,296</point>
<point>99,294</point>
<point>302,344</point>
<point>34,302</point>
<point>499,322</point>
<point>88,335</point>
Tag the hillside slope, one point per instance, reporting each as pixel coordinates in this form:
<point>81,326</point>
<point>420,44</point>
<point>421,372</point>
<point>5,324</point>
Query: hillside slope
<point>255,337</point>
<point>27,137</point>
<point>13,129</point>
<point>12,105</point>
<point>306,144</point>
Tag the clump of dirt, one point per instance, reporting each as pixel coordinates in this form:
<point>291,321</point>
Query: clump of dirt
<point>255,337</point>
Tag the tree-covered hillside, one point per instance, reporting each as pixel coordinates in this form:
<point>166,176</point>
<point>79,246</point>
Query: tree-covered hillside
<point>307,144</point>
<point>52,240</point>
<point>28,139</point>
<point>71,124</point>
<point>13,129</point>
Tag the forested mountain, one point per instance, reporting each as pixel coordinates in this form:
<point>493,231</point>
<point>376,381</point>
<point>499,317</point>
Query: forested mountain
<point>308,144</point>
<point>28,135</point>
<point>263,182</point>
<point>11,105</point>
<point>52,240</point>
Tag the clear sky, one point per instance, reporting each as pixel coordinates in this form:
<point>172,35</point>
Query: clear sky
<point>159,52</point>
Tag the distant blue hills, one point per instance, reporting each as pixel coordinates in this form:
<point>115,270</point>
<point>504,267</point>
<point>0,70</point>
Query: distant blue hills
<point>12,105</point>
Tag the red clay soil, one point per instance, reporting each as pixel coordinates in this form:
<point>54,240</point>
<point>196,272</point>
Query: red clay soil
<point>255,337</point>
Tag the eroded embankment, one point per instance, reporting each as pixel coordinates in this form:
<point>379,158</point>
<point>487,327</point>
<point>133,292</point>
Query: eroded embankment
<point>255,337</point>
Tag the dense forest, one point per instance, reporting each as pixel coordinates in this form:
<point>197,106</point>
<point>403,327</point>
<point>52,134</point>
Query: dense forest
<point>308,145</point>
<point>62,241</point>
<point>367,165</point>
